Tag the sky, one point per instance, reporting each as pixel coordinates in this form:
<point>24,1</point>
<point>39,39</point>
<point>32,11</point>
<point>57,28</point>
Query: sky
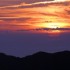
<point>29,26</point>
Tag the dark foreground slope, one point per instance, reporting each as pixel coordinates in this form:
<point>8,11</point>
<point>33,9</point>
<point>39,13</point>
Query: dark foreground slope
<point>38,61</point>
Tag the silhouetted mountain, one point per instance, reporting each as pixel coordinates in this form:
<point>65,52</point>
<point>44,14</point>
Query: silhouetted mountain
<point>37,61</point>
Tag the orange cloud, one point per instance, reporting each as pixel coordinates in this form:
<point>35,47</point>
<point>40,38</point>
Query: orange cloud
<point>34,15</point>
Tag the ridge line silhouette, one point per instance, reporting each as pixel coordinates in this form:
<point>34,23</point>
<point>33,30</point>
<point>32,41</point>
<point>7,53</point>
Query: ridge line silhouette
<point>37,61</point>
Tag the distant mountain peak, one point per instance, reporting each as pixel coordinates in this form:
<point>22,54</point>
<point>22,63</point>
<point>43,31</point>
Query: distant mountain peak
<point>2,54</point>
<point>41,53</point>
<point>66,51</point>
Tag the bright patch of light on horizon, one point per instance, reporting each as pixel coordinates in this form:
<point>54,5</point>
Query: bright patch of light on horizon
<point>55,25</point>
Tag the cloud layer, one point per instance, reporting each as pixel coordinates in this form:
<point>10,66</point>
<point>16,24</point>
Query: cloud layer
<point>34,14</point>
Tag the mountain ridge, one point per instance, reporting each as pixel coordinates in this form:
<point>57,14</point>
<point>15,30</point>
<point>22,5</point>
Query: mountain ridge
<point>37,61</point>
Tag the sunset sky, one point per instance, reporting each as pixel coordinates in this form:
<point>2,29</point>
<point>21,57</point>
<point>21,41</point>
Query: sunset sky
<point>28,26</point>
<point>32,14</point>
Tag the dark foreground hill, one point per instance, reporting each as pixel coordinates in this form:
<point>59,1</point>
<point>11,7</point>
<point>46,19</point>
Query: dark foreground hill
<point>37,61</point>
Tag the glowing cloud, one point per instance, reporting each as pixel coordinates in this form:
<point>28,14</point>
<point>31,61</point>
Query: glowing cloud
<point>49,14</point>
<point>60,0</point>
<point>35,3</point>
<point>56,25</point>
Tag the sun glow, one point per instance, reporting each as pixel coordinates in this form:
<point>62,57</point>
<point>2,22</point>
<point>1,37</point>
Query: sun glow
<point>52,25</point>
<point>55,25</point>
